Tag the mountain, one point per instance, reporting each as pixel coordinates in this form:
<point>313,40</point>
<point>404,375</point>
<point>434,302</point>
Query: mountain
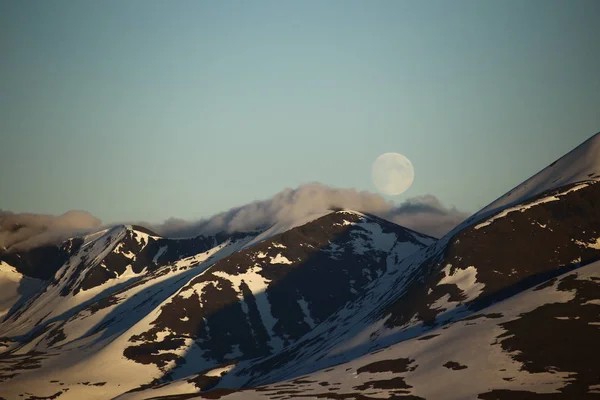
<point>157,309</point>
<point>341,305</point>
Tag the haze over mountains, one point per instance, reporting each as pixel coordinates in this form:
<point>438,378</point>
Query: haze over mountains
<point>302,296</point>
<point>423,213</point>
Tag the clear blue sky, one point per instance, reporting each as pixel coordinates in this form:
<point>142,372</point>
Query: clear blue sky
<point>142,110</point>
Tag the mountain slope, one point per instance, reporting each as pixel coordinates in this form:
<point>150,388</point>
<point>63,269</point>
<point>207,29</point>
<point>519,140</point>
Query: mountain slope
<point>511,351</point>
<point>15,288</point>
<point>233,302</point>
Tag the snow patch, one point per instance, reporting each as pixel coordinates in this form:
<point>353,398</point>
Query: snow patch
<point>197,289</point>
<point>280,259</point>
<point>220,371</point>
<point>305,310</point>
<point>464,279</point>
<point>591,245</point>
<point>159,253</point>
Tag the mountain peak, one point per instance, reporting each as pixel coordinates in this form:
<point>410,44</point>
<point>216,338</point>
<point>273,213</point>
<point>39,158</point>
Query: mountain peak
<point>145,230</point>
<point>580,164</point>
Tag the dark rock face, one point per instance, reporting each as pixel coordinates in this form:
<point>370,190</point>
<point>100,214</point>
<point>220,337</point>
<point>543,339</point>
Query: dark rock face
<point>453,365</point>
<point>561,337</point>
<point>41,262</point>
<point>398,366</point>
<point>513,253</point>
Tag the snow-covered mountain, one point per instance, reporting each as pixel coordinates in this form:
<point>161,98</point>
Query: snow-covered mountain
<point>342,305</point>
<point>156,309</point>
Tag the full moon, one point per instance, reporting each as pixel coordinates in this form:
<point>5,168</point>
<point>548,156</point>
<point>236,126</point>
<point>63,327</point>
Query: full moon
<point>392,173</point>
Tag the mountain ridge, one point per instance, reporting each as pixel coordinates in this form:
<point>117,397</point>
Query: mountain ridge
<point>566,170</point>
<point>339,305</point>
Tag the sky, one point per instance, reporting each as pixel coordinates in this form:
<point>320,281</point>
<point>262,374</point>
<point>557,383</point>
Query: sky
<point>145,110</point>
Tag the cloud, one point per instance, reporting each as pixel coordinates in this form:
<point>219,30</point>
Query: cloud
<point>24,231</point>
<point>424,214</point>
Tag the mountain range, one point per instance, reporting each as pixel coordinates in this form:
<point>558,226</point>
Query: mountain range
<point>340,305</point>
